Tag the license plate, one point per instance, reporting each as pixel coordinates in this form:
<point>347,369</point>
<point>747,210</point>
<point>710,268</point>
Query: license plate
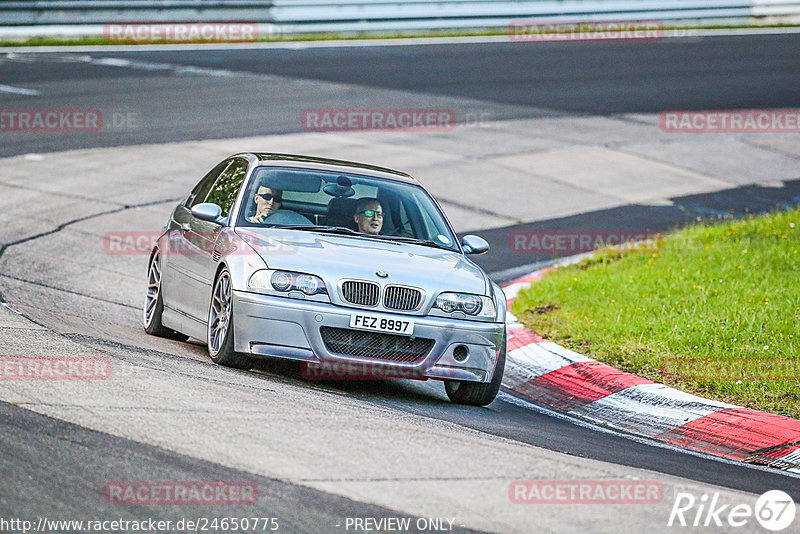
<point>379,323</point>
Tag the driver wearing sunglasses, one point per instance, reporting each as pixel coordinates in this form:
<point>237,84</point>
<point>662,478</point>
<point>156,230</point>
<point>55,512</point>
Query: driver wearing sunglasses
<point>267,201</point>
<point>369,216</point>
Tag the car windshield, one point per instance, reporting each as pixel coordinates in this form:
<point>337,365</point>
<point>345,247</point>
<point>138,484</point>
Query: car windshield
<point>345,204</point>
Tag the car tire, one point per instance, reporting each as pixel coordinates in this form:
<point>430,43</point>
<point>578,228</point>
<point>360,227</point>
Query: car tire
<point>476,393</point>
<point>154,303</point>
<point>220,326</point>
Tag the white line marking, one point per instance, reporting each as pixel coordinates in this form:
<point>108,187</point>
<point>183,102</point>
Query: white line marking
<point>6,306</point>
<point>18,90</point>
<point>151,66</point>
<point>154,66</point>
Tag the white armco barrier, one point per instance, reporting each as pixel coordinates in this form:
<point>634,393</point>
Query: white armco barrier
<point>293,16</point>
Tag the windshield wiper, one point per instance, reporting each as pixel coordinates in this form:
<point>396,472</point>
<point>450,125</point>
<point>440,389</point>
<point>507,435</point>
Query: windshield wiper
<point>319,228</point>
<point>347,231</point>
<point>405,239</point>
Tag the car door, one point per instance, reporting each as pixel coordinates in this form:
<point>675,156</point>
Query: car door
<point>200,265</point>
<point>176,271</point>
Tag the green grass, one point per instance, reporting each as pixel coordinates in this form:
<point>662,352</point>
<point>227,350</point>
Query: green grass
<point>713,310</point>
<point>78,40</point>
<point>87,40</point>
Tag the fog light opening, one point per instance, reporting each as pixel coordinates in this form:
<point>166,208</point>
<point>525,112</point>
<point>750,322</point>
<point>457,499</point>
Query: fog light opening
<point>460,353</point>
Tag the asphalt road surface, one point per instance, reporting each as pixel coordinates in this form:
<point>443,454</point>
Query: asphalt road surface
<point>189,94</point>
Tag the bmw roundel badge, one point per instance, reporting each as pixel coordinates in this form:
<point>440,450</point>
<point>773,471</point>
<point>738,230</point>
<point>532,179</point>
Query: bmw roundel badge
<point>382,274</point>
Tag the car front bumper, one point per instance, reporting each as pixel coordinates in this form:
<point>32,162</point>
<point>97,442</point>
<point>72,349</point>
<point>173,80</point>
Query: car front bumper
<point>284,327</point>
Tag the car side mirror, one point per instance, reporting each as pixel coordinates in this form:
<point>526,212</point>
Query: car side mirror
<point>208,212</point>
<point>472,244</point>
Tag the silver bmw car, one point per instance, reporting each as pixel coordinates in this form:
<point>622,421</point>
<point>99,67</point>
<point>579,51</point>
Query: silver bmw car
<point>351,269</point>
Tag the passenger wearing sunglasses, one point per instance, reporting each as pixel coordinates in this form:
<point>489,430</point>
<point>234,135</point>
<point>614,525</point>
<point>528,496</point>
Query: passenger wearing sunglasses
<point>267,201</point>
<point>369,216</point>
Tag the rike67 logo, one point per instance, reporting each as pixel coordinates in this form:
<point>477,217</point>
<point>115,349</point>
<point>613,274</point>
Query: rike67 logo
<point>774,511</point>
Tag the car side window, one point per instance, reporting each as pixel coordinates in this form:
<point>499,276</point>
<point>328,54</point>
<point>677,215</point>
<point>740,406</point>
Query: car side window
<point>227,186</point>
<point>200,191</point>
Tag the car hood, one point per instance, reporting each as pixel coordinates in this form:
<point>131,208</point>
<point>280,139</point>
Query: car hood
<point>335,257</point>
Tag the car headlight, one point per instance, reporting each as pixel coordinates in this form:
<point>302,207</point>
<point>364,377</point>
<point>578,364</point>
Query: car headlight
<point>474,305</point>
<point>285,281</point>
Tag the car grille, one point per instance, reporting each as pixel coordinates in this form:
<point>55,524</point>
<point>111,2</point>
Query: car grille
<point>375,345</point>
<point>361,293</point>
<point>401,298</point>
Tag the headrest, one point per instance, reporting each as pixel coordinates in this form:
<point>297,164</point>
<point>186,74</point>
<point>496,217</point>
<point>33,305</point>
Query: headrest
<point>341,207</point>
